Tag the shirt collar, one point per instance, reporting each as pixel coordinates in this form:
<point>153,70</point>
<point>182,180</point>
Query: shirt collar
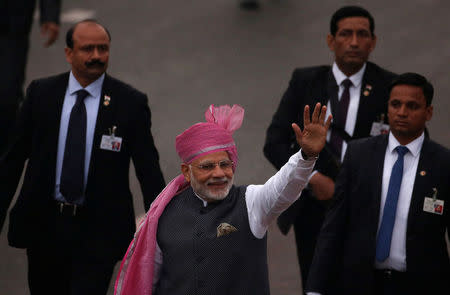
<point>203,201</point>
<point>413,147</point>
<point>94,89</point>
<point>355,78</point>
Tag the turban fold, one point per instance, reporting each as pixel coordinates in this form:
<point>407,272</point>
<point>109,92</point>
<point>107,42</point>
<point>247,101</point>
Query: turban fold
<point>136,270</point>
<point>214,135</point>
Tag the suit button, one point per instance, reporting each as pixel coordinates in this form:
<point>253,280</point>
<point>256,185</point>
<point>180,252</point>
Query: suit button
<point>199,233</point>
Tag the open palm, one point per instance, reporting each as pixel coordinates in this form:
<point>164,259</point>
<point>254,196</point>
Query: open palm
<point>313,137</point>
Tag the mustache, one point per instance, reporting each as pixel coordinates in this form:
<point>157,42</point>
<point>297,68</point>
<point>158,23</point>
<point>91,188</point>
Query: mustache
<point>218,180</point>
<point>94,63</point>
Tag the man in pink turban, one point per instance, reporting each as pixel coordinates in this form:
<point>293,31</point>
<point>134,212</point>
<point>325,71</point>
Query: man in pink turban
<point>203,235</point>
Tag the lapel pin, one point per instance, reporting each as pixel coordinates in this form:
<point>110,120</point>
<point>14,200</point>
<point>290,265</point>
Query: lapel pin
<point>367,89</point>
<point>423,173</point>
<point>107,100</point>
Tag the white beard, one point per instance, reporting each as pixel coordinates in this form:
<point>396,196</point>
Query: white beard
<point>206,193</point>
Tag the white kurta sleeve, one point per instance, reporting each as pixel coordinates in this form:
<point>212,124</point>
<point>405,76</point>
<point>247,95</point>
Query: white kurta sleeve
<point>267,201</point>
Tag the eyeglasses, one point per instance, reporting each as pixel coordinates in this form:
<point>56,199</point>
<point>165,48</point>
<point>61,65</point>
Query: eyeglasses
<point>210,166</point>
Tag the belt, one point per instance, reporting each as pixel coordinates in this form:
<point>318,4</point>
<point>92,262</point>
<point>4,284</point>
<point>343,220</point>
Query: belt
<point>390,274</point>
<point>64,208</point>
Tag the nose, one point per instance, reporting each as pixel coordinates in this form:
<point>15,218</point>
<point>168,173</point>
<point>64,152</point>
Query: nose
<point>96,53</point>
<point>403,111</point>
<point>354,40</point>
<point>218,172</point>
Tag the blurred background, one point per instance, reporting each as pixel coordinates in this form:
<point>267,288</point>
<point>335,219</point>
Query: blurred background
<point>187,55</point>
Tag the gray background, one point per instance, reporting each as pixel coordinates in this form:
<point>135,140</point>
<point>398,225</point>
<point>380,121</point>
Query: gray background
<point>188,54</point>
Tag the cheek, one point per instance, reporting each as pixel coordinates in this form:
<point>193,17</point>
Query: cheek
<point>390,112</point>
<point>201,178</point>
<point>229,175</point>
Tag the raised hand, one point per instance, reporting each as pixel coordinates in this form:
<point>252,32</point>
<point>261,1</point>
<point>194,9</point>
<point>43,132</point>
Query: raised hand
<point>313,137</point>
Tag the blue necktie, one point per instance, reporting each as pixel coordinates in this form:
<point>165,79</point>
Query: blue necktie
<point>72,174</point>
<point>390,207</point>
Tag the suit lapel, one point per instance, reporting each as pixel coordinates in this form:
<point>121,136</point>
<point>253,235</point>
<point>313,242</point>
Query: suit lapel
<point>332,92</point>
<point>379,153</point>
<point>57,100</point>
<point>105,120</point>
<point>56,97</point>
<point>367,101</point>
<point>422,187</point>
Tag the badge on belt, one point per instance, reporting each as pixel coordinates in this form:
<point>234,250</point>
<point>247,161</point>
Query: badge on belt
<point>433,205</point>
<point>111,142</point>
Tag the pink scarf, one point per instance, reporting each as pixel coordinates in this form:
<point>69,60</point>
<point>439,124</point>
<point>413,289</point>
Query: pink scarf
<point>136,270</point>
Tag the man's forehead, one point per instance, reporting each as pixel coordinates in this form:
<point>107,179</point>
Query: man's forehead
<point>213,157</point>
<point>353,22</point>
<point>408,92</point>
<point>91,31</point>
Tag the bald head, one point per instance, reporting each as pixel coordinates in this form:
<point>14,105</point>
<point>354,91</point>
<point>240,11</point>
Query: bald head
<point>71,31</point>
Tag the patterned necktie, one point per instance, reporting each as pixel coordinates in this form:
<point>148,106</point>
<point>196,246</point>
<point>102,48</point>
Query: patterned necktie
<point>341,118</point>
<point>72,175</point>
<point>390,207</point>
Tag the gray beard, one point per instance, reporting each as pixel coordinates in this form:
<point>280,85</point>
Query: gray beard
<point>206,194</point>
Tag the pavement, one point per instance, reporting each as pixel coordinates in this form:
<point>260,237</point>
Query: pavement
<point>188,54</point>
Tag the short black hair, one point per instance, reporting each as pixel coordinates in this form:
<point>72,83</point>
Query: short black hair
<point>69,34</point>
<point>414,79</point>
<point>350,11</point>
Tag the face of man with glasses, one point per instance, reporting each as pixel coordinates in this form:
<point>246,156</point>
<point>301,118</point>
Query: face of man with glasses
<point>211,176</point>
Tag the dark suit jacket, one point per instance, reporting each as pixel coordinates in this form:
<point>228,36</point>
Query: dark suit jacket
<point>317,84</point>
<point>108,217</point>
<point>345,252</point>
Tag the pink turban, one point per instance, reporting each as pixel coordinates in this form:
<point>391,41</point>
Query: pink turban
<point>136,270</point>
<point>212,136</point>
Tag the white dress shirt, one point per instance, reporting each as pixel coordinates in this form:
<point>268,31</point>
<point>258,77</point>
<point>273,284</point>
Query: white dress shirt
<point>397,254</point>
<point>355,91</point>
<point>265,202</point>
<point>91,103</point>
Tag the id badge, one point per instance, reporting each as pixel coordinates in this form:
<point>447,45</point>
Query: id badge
<point>111,143</point>
<point>379,128</point>
<point>434,206</point>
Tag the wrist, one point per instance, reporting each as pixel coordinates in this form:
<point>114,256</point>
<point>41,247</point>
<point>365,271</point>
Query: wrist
<point>308,157</point>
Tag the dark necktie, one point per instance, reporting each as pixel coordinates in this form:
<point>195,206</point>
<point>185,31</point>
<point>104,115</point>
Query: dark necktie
<point>341,118</point>
<point>72,175</point>
<point>390,207</point>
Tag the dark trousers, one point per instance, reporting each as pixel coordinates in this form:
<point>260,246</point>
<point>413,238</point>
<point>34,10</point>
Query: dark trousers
<point>306,228</point>
<point>307,215</point>
<point>61,264</point>
<point>389,282</point>
<point>13,58</point>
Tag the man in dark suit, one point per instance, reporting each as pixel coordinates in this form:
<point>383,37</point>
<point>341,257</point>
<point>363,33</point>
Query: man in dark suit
<point>385,232</point>
<point>358,110</point>
<point>16,17</point>
<point>78,131</point>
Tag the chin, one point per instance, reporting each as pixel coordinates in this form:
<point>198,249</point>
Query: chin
<point>218,195</point>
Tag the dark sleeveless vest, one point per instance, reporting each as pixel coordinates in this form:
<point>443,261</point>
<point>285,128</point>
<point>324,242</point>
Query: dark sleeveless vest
<point>197,261</point>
